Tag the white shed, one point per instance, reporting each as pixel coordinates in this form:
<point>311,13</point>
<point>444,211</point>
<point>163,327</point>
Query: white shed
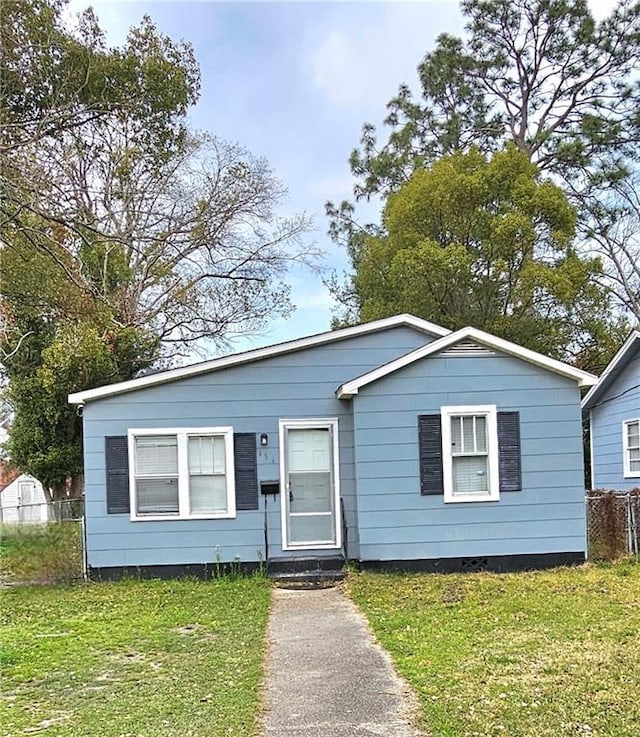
<point>23,501</point>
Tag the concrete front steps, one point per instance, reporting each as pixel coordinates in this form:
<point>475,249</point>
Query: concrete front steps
<point>306,573</point>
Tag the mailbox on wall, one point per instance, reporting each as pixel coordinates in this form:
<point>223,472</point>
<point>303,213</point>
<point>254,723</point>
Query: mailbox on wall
<point>269,487</point>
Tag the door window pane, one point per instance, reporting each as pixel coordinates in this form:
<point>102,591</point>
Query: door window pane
<point>310,492</point>
<point>309,450</point>
<point>314,528</point>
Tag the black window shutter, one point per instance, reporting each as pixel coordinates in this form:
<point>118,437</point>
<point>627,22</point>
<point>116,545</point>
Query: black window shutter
<point>245,458</point>
<point>509,451</point>
<point>117,465</point>
<point>430,454</point>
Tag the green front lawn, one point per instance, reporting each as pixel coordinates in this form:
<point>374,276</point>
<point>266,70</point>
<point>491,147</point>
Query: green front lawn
<point>539,654</point>
<point>135,658</point>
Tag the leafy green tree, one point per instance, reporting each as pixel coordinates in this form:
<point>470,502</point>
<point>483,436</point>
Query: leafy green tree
<point>57,338</point>
<point>46,432</point>
<point>58,77</point>
<point>486,242</point>
<point>540,74</point>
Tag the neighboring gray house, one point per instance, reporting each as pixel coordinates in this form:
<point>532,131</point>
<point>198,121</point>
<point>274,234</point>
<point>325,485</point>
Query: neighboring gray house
<point>410,445</point>
<point>613,405</point>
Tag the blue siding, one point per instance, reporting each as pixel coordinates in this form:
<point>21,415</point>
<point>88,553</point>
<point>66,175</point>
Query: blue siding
<point>251,398</point>
<point>397,523</point>
<point>606,428</point>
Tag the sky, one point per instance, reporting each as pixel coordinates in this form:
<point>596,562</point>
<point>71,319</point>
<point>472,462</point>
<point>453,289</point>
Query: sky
<point>294,82</point>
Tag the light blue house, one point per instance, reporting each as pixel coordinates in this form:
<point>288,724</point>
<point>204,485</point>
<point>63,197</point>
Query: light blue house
<point>613,405</point>
<point>396,443</point>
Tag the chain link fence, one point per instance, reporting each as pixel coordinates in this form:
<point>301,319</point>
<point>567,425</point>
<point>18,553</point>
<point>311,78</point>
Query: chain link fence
<point>43,542</point>
<point>613,524</point>
<point>42,512</point>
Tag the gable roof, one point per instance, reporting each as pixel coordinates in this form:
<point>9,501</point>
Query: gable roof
<point>257,354</point>
<point>350,388</point>
<point>617,364</point>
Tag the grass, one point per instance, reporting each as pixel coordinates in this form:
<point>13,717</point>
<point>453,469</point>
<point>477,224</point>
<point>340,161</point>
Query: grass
<point>43,553</point>
<point>537,654</point>
<point>134,658</point>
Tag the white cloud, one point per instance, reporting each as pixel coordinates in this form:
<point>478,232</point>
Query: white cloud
<point>318,299</point>
<point>338,70</point>
<point>332,187</point>
<point>115,17</point>
<point>601,8</point>
<point>364,64</point>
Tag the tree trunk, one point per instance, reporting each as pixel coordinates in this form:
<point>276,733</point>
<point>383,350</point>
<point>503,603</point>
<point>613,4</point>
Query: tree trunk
<point>76,486</point>
<point>48,493</point>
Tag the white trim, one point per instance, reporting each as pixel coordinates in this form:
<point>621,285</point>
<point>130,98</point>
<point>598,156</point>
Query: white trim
<point>591,452</point>
<point>310,423</point>
<point>628,473</point>
<point>182,434</point>
<point>350,388</point>
<point>490,411</point>
<point>257,354</point>
<point>606,376</point>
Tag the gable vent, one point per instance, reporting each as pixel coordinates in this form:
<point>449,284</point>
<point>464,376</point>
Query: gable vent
<point>467,348</point>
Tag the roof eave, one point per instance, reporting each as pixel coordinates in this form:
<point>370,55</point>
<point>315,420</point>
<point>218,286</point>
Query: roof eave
<point>331,336</point>
<point>583,378</point>
<point>609,374</point>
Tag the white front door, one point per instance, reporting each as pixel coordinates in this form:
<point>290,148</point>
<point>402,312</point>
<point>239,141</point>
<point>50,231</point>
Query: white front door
<point>310,484</point>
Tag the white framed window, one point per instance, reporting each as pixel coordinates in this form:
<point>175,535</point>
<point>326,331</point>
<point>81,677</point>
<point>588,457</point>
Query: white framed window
<point>631,448</point>
<point>181,473</point>
<point>470,453</point>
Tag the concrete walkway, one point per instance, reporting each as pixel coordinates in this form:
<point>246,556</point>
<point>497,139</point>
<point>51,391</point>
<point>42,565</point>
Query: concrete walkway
<point>326,677</point>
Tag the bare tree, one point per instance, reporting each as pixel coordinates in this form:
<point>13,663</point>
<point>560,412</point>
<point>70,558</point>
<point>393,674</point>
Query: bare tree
<point>187,245</point>
<point>614,236</point>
